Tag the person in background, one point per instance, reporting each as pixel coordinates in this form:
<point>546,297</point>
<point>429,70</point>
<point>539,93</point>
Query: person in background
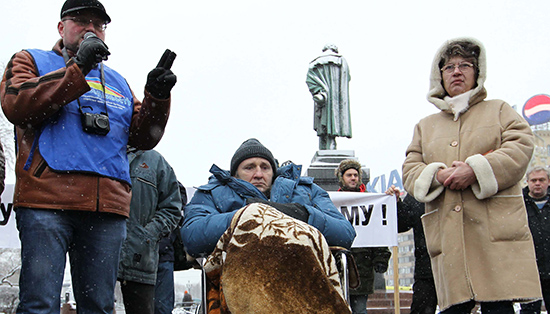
<point>164,287</point>
<point>155,211</point>
<point>65,104</point>
<point>465,164</point>
<point>368,259</point>
<point>273,221</point>
<point>537,204</point>
<point>187,300</point>
<point>409,211</point>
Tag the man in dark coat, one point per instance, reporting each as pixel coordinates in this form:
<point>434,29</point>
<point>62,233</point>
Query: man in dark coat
<point>536,199</point>
<point>409,212</point>
<point>368,259</point>
<point>155,212</point>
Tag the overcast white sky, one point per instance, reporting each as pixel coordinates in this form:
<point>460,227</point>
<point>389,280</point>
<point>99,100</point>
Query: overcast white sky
<point>241,66</point>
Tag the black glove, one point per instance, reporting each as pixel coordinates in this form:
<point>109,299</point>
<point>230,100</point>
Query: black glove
<point>91,51</point>
<point>161,79</point>
<point>294,210</point>
<point>380,267</point>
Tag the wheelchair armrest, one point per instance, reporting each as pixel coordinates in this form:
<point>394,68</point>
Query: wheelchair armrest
<point>353,272</point>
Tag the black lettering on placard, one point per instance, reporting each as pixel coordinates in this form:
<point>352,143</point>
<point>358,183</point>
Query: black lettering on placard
<point>384,219</point>
<point>367,213</point>
<point>354,216</point>
<point>5,213</point>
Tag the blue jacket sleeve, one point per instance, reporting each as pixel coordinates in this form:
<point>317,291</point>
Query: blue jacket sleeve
<point>324,216</point>
<point>203,224</point>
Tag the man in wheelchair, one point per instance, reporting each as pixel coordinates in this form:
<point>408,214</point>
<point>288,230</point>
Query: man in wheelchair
<point>266,232</point>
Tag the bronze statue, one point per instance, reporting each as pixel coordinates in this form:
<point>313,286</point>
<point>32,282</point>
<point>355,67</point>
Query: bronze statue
<point>328,82</point>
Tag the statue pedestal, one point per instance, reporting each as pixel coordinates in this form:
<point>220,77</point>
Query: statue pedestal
<point>324,164</point>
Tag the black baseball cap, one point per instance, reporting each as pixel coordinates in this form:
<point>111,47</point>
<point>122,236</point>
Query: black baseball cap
<point>73,6</point>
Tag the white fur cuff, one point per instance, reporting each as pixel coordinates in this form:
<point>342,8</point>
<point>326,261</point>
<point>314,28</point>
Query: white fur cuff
<point>424,188</point>
<point>486,184</point>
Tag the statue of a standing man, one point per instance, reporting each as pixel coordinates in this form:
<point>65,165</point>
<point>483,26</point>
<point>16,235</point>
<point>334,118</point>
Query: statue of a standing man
<point>328,82</point>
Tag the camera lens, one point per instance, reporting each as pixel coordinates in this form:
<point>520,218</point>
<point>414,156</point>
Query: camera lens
<point>101,122</point>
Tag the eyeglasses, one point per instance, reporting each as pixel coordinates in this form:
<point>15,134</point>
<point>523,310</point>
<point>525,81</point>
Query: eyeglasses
<point>462,67</point>
<point>83,21</point>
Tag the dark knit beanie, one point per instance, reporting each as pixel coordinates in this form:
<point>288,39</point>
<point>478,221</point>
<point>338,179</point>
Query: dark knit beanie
<point>248,149</point>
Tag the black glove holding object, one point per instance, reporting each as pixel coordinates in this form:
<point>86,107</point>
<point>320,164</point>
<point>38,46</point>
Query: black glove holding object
<point>91,51</point>
<point>161,79</point>
<point>380,267</point>
<point>294,210</point>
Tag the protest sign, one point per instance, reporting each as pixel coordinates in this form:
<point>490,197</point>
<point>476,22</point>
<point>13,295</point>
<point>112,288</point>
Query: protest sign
<point>373,215</point>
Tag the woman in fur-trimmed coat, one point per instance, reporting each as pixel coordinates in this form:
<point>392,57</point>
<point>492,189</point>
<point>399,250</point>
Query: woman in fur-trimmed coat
<point>465,163</point>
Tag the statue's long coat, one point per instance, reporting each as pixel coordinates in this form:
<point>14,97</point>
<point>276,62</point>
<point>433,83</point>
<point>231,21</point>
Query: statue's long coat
<point>330,74</point>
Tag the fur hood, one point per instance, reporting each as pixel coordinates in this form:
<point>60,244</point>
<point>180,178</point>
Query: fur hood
<point>437,92</point>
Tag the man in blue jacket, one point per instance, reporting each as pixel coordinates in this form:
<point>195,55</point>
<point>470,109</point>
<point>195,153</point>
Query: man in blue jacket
<point>254,177</point>
<point>270,230</point>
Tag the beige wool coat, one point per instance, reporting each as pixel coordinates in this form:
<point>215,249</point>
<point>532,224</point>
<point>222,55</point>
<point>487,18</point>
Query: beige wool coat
<point>478,239</point>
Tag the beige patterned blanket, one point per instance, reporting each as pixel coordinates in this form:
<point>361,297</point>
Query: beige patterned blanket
<point>268,262</point>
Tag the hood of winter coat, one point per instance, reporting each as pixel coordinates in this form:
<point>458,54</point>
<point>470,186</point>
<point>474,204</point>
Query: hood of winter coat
<point>437,92</point>
<point>290,171</point>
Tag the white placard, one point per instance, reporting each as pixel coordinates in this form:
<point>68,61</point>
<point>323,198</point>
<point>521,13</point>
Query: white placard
<point>9,236</point>
<point>373,215</point>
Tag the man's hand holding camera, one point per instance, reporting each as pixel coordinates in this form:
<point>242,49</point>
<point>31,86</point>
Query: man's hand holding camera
<point>91,51</point>
<point>161,79</point>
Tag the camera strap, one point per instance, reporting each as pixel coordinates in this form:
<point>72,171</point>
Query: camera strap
<point>101,78</point>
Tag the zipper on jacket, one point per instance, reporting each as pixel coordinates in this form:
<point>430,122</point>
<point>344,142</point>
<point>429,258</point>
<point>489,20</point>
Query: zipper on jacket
<point>40,169</point>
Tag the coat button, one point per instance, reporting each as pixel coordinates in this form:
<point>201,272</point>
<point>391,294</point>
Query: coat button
<point>454,144</point>
<point>457,208</point>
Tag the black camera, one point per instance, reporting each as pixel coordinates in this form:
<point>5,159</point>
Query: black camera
<point>96,123</point>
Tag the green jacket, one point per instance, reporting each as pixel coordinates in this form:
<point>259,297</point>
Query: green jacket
<point>155,210</point>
